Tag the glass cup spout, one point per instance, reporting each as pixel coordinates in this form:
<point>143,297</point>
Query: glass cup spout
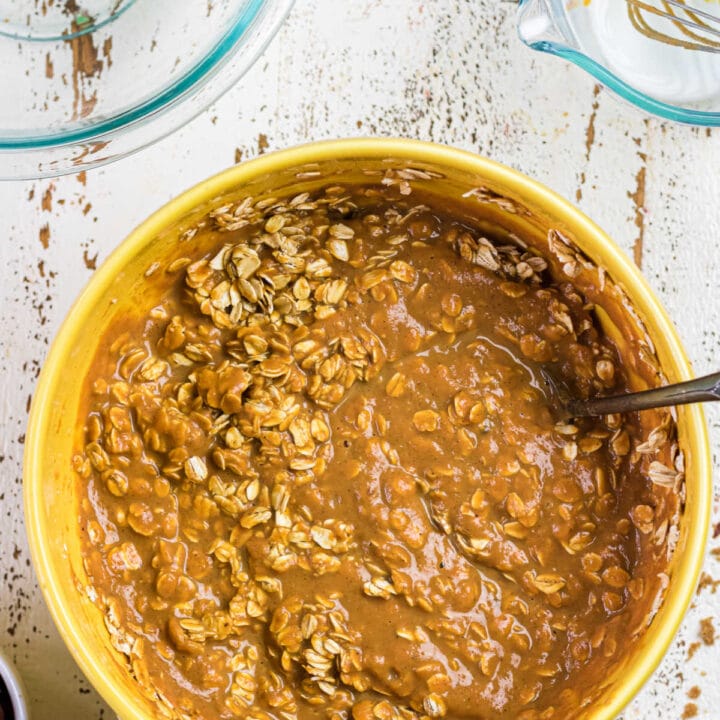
<point>542,27</point>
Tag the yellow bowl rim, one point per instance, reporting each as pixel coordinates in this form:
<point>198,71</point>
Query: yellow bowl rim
<point>686,574</point>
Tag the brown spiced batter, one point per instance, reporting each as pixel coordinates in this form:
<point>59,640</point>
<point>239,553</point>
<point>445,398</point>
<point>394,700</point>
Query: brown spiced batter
<point>322,479</point>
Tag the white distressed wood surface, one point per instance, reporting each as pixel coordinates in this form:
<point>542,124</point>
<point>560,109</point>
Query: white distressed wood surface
<point>451,71</point>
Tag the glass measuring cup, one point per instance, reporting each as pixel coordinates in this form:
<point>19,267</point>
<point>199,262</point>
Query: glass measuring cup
<point>598,36</point>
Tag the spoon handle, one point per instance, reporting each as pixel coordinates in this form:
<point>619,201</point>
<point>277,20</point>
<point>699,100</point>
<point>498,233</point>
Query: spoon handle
<point>697,390</point>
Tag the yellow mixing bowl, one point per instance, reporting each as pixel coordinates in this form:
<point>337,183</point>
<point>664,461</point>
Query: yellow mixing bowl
<point>50,483</point>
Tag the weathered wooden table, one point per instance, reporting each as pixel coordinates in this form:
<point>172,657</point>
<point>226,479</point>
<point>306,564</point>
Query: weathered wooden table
<point>451,71</point>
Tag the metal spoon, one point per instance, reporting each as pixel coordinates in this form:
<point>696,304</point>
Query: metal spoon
<point>565,406</point>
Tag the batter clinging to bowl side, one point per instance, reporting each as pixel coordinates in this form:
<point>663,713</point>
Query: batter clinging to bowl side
<point>320,479</point>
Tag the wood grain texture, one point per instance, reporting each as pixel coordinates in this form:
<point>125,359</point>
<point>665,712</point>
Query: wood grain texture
<point>451,71</point>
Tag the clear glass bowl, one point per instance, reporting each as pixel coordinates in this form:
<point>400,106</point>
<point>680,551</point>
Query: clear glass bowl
<point>598,36</point>
<point>86,82</point>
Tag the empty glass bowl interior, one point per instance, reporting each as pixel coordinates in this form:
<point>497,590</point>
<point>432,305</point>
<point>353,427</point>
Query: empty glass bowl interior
<point>87,81</point>
<point>654,61</point>
<point>56,19</point>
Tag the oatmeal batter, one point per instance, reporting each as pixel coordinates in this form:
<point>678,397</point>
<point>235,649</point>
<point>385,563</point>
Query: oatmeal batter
<point>322,480</point>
